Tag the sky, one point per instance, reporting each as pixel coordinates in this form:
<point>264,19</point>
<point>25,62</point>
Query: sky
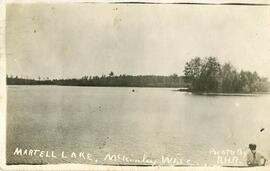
<point>76,39</point>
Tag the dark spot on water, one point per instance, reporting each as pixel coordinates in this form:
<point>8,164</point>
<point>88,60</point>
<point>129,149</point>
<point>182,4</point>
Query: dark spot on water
<point>103,144</point>
<point>35,31</point>
<point>262,130</point>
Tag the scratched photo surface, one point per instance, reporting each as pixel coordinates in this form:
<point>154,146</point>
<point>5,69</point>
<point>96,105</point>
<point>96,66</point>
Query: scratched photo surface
<point>107,84</point>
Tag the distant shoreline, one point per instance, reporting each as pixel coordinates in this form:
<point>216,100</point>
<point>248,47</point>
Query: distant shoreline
<point>182,89</point>
<point>91,86</point>
<point>222,94</point>
<point>173,81</point>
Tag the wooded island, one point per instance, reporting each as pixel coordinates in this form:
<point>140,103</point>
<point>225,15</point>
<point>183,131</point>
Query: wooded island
<point>208,75</point>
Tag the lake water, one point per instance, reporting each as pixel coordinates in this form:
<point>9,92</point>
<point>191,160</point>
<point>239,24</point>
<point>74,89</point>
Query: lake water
<point>141,127</point>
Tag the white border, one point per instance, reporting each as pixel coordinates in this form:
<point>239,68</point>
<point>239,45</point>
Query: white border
<point>149,1</point>
<point>3,94</point>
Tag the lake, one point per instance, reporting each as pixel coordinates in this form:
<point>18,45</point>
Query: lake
<point>114,125</point>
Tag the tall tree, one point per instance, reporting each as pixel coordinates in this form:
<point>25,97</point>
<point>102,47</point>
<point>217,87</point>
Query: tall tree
<point>111,74</point>
<point>203,74</point>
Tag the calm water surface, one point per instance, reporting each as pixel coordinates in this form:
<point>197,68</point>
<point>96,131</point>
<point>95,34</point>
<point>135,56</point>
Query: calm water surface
<point>151,122</point>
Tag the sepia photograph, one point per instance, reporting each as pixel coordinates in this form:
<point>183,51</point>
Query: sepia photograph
<point>179,85</point>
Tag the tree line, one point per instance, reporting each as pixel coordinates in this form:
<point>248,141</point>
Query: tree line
<point>109,80</point>
<point>208,75</point>
<point>200,75</point>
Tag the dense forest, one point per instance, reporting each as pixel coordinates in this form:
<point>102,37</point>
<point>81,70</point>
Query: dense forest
<point>110,80</point>
<point>200,75</point>
<point>208,75</point>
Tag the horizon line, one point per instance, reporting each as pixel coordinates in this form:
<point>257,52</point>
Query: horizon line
<point>100,76</point>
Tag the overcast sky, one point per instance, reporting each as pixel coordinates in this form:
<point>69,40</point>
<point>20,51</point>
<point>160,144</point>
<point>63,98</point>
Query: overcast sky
<point>76,39</point>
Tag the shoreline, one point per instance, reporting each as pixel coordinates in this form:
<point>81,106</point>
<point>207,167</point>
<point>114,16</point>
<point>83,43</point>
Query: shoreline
<point>222,94</point>
<point>10,85</point>
<point>181,89</point>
